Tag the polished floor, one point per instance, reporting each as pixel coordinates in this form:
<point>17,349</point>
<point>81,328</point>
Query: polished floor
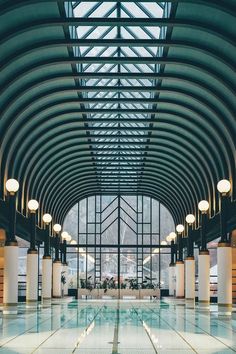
<point>112,327</point>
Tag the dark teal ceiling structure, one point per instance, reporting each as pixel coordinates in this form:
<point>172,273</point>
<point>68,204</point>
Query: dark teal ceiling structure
<point>117,97</point>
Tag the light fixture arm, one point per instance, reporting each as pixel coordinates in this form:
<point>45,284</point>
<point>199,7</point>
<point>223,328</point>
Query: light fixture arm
<point>223,218</point>
<point>172,255</point>
<point>11,236</point>
<point>190,248</point>
<point>180,247</point>
<point>204,217</point>
<point>32,232</point>
<point>47,241</point>
<point>64,252</point>
<point>57,247</point>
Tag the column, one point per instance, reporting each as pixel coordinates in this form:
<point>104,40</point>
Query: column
<point>224,255</point>
<point>171,279</point>
<point>32,276</point>
<point>10,274</point>
<point>10,282</point>
<point>32,258</point>
<point>204,279</point>
<point>65,269</point>
<point>224,266</point>
<point>56,276</point>
<point>57,266</point>
<point>172,270</point>
<point>46,277</point>
<point>179,267</point>
<point>190,262</point>
<point>203,260</point>
<point>47,262</point>
<point>179,271</point>
<point>190,278</point>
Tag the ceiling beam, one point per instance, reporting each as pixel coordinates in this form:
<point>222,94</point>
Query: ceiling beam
<point>115,110</point>
<point>117,22</point>
<point>119,89</point>
<point>116,42</point>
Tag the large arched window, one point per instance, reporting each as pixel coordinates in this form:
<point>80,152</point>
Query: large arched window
<point>118,236</point>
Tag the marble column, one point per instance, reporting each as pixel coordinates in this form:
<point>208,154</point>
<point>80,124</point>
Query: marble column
<point>10,281</point>
<point>224,266</point>
<point>56,276</point>
<point>204,279</point>
<point>171,279</point>
<point>32,276</point>
<point>46,278</point>
<point>190,278</point>
<point>179,271</point>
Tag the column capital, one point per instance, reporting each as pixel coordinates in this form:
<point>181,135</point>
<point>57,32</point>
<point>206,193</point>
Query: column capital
<point>204,252</point>
<point>57,261</point>
<point>32,251</point>
<point>47,257</point>
<point>224,244</point>
<point>11,243</point>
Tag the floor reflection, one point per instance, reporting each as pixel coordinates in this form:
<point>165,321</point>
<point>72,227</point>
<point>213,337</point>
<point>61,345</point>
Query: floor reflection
<point>117,327</point>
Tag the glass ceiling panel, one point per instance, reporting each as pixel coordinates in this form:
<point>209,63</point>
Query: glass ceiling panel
<point>117,93</point>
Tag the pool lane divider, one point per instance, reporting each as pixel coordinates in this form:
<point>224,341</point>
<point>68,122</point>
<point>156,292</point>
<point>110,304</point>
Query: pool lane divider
<point>87,330</point>
<point>58,329</point>
<point>209,333</point>
<point>176,331</point>
<point>116,331</point>
<point>146,329</point>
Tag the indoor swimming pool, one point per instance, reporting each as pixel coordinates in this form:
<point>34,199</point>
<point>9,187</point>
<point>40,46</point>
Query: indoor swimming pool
<point>117,327</point>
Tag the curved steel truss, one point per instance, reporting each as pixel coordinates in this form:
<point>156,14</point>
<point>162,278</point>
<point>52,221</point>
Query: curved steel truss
<point>117,97</point>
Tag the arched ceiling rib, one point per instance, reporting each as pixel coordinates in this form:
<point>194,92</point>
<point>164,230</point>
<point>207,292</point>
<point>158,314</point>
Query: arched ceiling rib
<point>117,97</point>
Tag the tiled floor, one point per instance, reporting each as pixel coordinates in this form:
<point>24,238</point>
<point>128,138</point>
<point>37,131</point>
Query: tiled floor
<point>111,327</point>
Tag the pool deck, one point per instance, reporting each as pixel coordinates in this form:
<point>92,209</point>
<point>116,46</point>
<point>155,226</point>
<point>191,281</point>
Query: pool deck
<point>117,327</point>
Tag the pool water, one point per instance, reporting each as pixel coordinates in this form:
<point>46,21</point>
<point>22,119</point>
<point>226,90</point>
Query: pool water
<point>117,327</point>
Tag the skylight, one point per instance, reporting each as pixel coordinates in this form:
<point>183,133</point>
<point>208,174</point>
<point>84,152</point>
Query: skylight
<point>118,93</point>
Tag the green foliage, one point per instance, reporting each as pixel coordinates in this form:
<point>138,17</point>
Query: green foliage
<point>133,284</point>
<point>123,285</point>
<point>108,284</point>
<point>87,284</point>
<point>63,278</point>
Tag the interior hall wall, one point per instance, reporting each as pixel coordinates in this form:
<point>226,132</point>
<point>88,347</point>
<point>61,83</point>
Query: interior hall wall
<point>2,241</point>
<point>233,243</point>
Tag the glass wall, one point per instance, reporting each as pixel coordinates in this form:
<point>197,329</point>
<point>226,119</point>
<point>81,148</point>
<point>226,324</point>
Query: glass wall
<point>118,237</point>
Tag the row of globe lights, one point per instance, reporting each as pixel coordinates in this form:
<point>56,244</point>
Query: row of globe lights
<point>65,235</point>
<point>47,218</point>
<point>223,187</point>
<point>12,186</point>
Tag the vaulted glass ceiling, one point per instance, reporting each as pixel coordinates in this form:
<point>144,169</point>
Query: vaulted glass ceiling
<point>119,101</point>
<point>117,97</point>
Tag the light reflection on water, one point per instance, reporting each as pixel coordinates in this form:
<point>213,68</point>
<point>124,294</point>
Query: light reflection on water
<point>117,327</point>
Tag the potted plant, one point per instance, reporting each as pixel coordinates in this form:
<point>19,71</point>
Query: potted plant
<point>87,286</point>
<point>123,285</point>
<point>133,284</point>
<point>105,285</point>
<point>63,282</point>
